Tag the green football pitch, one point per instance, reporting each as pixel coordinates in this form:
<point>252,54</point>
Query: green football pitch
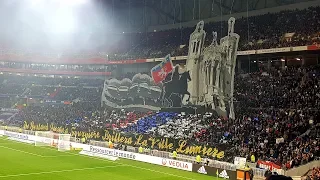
<point>21,161</point>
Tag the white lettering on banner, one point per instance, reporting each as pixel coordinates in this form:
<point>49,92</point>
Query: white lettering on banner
<point>16,135</point>
<point>300,48</point>
<point>274,50</point>
<point>9,110</point>
<point>112,152</point>
<point>87,153</point>
<point>181,57</point>
<point>177,164</point>
<point>246,52</point>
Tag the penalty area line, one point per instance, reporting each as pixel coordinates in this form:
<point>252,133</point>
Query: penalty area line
<point>57,171</point>
<point>67,155</point>
<point>17,150</point>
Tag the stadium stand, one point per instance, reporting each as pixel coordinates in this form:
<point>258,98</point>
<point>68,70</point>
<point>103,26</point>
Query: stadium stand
<point>270,114</point>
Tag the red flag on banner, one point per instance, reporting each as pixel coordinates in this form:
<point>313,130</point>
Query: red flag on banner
<point>160,71</point>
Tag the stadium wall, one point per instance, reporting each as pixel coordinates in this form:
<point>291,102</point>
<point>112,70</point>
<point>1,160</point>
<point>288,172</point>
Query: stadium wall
<point>302,170</point>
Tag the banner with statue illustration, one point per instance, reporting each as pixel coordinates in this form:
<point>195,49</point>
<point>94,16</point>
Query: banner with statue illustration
<point>206,80</point>
<point>186,147</point>
<point>166,88</point>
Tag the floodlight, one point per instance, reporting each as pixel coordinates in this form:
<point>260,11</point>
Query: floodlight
<point>72,2</point>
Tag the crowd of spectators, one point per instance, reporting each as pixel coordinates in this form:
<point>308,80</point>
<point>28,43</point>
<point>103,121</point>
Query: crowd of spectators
<point>289,88</point>
<point>53,88</point>
<point>272,30</point>
<point>280,121</point>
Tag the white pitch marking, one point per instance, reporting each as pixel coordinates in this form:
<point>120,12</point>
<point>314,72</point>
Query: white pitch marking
<point>111,162</point>
<point>21,151</point>
<point>33,153</point>
<point>58,171</point>
<point>67,155</point>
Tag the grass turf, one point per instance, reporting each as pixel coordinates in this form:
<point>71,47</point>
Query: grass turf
<point>19,161</point>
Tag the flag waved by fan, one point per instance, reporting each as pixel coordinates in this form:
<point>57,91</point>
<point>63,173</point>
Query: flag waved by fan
<point>160,71</point>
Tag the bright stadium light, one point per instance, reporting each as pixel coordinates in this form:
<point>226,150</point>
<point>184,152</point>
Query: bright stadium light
<point>35,2</point>
<point>63,21</point>
<point>72,2</point>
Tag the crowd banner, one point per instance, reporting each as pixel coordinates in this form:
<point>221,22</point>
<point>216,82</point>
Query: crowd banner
<point>273,50</point>
<point>184,147</point>
<point>271,166</point>
<point>215,172</point>
<point>250,52</point>
<point>313,47</point>
<point>300,48</point>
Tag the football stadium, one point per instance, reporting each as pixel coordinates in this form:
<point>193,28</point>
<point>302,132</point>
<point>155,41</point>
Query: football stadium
<point>160,89</point>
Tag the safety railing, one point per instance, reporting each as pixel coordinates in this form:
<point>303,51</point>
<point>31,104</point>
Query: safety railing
<point>258,172</point>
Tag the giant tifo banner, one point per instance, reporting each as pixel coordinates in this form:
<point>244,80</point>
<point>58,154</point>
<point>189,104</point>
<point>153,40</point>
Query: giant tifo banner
<point>186,147</point>
<point>206,80</point>
<point>138,91</point>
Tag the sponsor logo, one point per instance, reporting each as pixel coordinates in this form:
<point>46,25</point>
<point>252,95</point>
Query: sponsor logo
<point>164,162</point>
<point>224,174</point>
<point>175,164</point>
<point>202,170</point>
<point>112,152</point>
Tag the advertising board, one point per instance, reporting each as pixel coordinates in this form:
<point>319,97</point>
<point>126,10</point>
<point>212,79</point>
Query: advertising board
<point>176,164</point>
<point>216,172</point>
<point>16,135</point>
